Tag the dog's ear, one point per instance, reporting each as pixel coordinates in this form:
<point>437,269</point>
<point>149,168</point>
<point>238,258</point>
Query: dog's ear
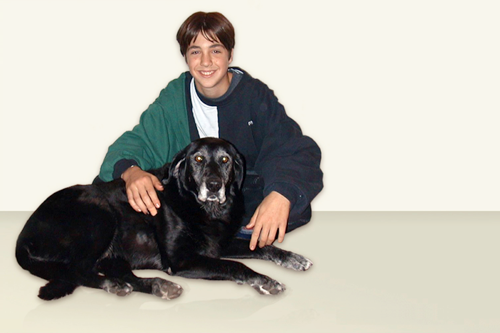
<point>178,165</point>
<point>239,169</point>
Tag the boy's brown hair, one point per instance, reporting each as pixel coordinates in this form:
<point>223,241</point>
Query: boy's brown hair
<point>214,26</point>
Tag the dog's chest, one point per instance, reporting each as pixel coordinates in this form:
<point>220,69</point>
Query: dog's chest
<point>208,241</point>
<point>209,248</point>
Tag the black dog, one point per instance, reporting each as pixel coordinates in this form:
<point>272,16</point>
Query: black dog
<point>88,235</point>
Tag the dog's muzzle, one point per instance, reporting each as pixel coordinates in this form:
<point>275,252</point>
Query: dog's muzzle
<point>212,190</point>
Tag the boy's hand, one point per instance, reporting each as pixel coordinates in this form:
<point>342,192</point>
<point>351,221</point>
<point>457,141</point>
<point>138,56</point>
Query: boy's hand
<point>270,217</point>
<point>141,189</point>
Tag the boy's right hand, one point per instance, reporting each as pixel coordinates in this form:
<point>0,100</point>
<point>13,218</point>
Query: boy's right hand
<point>141,189</point>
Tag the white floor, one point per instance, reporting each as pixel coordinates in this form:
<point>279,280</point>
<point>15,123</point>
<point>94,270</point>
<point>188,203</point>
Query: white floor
<point>373,272</point>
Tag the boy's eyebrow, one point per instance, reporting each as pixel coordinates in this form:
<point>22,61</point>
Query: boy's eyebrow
<point>211,46</point>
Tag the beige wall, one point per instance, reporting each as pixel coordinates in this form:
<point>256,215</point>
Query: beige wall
<point>402,96</point>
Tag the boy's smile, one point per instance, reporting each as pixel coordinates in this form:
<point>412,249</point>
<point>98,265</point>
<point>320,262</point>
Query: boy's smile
<point>208,63</point>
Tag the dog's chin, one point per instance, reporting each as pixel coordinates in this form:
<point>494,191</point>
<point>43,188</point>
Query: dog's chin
<point>213,205</point>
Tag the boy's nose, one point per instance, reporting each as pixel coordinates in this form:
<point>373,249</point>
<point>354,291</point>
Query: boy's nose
<point>206,59</point>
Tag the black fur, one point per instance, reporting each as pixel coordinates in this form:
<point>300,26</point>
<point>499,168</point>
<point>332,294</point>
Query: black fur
<point>88,235</point>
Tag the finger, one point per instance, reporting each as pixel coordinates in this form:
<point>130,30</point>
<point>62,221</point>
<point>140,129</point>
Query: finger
<point>264,236</point>
<point>255,237</point>
<point>139,202</point>
<point>272,236</point>
<point>147,193</point>
<point>154,198</point>
<point>132,202</point>
<point>157,184</point>
<point>281,236</point>
<point>148,203</point>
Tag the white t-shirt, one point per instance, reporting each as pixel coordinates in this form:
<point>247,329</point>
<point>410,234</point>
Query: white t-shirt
<point>205,116</point>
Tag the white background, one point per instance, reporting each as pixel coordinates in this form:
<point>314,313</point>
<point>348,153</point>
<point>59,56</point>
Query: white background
<point>402,96</point>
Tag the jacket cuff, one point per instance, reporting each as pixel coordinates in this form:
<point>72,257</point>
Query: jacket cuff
<point>121,166</point>
<point>288,191</point>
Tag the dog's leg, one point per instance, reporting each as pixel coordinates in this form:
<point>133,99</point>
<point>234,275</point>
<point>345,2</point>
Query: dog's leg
<point>82,273</point>
<point>238,249</point>
<point>68,281</point>
<point>55,289</point>
<point>119,278</point>
<point>200,267</point>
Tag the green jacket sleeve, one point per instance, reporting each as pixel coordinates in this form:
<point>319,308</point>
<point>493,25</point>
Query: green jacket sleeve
<point>163,130</point>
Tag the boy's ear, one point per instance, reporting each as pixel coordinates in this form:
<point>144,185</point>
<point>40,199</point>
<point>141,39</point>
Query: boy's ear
<point>231,56</point>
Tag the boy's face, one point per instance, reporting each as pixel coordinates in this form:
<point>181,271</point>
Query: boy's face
<point>208,63</point>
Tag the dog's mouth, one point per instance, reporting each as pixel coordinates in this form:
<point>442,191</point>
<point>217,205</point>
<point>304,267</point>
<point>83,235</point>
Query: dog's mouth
<point>213,197</point>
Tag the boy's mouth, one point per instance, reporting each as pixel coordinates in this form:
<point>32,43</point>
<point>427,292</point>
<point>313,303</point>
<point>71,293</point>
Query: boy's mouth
<point>206,73</point>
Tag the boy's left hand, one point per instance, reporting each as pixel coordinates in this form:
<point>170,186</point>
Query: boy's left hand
<point>270,217</point>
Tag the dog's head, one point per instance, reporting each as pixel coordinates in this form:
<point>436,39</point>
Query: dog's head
<point>209,168</point>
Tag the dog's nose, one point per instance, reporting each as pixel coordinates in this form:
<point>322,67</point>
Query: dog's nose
<point>214,185</point>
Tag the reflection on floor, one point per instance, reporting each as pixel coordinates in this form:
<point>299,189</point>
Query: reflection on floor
<point>373,272</point>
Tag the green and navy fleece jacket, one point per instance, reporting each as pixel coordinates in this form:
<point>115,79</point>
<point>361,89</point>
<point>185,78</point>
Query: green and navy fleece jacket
<point>250,117</point>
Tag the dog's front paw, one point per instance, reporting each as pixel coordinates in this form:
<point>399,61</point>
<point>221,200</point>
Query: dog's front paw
<point>268,286</point>
<point>117,287</point>
<point>296,262</point>
<point>166,289</point>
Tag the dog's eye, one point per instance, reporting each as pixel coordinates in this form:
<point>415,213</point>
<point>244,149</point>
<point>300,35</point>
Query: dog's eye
<point>225,159</point>
<point>199,158</point>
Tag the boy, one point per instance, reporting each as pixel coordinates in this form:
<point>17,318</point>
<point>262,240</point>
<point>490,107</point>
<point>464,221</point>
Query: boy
<point>214,100</point>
